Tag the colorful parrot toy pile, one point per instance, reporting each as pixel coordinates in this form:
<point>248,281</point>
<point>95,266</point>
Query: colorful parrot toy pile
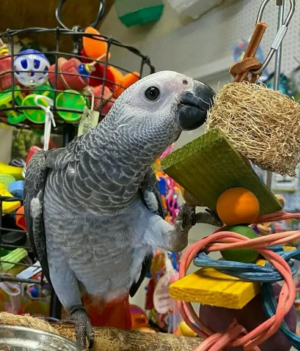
<point>87,82</point>
<point>168,188</point>
<point>166,318</point>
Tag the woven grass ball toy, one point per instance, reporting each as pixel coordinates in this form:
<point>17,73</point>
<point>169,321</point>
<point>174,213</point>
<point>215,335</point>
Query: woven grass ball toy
<point>262,124</point>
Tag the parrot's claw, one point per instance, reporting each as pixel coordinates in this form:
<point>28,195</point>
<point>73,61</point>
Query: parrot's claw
<point>215,220</point>
<point>209,217</point>
<point>178,236</point>
<point>83,328</point>
<point>187,216</point>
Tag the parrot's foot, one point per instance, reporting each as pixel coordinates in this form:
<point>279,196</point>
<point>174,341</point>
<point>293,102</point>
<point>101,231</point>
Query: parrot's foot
<point>209,217</point>
<point>83,327</point>
<point>178,237</point>
<point>186,217</point>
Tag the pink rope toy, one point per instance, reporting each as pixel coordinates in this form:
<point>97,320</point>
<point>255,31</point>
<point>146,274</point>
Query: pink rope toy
<point>236,335</point>
<point>168,151</point>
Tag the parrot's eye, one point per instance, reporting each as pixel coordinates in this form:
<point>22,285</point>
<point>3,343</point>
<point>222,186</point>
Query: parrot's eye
<point>152,93</point>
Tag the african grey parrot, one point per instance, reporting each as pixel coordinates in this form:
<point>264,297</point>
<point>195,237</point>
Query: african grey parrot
<point>92,208</point>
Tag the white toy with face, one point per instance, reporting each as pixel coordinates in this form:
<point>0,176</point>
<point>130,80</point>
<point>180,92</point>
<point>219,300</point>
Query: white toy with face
<point>31,68</point>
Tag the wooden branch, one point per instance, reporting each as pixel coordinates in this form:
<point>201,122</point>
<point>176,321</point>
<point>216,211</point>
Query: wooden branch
<point>111,339</point>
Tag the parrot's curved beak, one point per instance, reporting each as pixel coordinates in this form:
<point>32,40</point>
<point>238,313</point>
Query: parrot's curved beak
<point>194,105</point>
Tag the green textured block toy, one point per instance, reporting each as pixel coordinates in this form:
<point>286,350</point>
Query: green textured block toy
<point>210,165</point>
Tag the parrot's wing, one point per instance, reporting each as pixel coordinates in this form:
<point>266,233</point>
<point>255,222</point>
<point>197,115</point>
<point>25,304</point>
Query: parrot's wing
<point>35,180</point>
<point>151,194</point>
<point>36,174</point>
<point>61,157</point>
<point>152,199</point>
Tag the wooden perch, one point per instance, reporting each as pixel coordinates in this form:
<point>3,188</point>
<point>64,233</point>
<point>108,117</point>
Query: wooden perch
<point>111,339</point>
<point>108,339</point>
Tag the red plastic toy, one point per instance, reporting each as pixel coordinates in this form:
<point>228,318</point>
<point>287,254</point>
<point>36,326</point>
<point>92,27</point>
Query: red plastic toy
<point>5,65</point>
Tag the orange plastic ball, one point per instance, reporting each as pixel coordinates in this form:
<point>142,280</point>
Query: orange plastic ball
<point>238,206</point>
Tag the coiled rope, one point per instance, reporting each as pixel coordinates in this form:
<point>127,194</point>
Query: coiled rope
<point>283,268</point>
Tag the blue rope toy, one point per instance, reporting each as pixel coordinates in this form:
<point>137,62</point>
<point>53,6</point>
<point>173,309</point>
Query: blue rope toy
<point>251,272</point>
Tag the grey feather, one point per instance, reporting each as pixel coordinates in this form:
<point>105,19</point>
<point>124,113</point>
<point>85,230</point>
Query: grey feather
<point>33,204</point>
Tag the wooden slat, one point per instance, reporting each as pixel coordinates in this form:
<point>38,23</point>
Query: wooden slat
<point>210,287</point>
<point>209,165</point>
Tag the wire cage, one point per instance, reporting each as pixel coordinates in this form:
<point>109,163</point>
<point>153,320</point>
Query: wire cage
<point>18,263</point>
<point>73,80</point>
<point>66,83</point>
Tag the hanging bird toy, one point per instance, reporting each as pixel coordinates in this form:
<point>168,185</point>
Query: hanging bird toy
<point>262,124</point>
<point>242,305</point>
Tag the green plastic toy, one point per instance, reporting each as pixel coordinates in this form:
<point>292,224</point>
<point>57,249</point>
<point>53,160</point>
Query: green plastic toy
<point>6,101</point>
<point>37,116</point>
<point>241,255</point>
<point>70,99</point>
<point>45,90</point>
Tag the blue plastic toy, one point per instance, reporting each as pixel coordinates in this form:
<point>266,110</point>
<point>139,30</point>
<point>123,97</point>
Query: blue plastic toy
<point>16,188</point>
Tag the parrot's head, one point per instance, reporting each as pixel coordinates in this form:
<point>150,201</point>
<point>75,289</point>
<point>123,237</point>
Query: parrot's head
<point>155,110</point>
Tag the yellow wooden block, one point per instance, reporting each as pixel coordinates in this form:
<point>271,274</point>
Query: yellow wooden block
<point>210,287</point>
<point>288,248</point>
